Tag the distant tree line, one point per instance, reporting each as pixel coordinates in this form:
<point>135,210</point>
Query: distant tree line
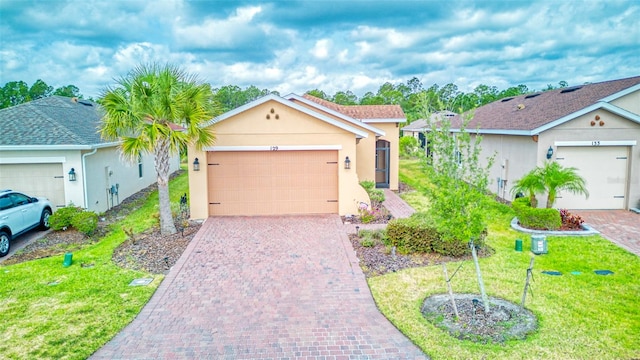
<point>412,96</point>
<point>18,92</point>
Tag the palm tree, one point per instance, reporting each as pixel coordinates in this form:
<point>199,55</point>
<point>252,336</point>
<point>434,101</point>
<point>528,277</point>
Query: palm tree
<point>532,184</point>
<point>556,178</point>
<point>158,110</point>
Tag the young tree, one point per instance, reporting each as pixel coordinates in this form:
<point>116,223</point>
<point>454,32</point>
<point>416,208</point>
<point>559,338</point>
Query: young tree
<point>459,186</point>
<point>142,111</point>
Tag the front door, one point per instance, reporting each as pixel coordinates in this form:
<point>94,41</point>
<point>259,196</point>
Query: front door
<point>382,164</point>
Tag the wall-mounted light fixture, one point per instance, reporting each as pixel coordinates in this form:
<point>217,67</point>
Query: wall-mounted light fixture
<point>72,174</point>
<point>347,163</point>
<point>196,165</point>
<point>550,152</point>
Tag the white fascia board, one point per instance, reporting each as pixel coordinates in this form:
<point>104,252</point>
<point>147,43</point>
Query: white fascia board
<point>622,93</point>
<point>273,148</point>
<point>374,121</point>
<point>600,105</point>
<point>33,160</point>
<point>57,147</point>
<point>264,99</point>
<point>378,132</point>
<point>497,132</point>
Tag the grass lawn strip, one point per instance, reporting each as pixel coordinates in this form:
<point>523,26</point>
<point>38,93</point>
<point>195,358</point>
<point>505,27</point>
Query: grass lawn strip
<point>584,316</point>
<point>49,311</point>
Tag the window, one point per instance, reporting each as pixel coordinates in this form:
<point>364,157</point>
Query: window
<point>139,165</point>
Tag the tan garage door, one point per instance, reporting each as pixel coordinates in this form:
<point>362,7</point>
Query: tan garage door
<point>273,182</point>
<point>605,170</point>
<point>35,180</point>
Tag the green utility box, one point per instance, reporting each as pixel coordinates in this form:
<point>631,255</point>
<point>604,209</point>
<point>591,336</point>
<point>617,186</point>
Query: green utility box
<point>539,244</point>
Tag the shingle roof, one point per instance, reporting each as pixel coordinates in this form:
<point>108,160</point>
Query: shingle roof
<point>421,124</point>
<point>362,112</point>
<point>54,120</point>
<point>531,111</point>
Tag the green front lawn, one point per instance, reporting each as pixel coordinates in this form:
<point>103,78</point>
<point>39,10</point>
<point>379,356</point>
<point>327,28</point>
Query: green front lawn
<point>48,311</point>
<point>582,316</point>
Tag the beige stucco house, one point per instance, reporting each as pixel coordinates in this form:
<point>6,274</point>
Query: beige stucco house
<point>294,155</point>
<point>51,147</point>
<point>593,127</point>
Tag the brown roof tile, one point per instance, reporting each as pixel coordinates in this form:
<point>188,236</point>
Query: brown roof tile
<point>531,111</point>
<point>362,112</point>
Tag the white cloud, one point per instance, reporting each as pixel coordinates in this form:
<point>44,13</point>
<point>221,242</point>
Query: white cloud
<point>321,49</point>
<point>217,33</point>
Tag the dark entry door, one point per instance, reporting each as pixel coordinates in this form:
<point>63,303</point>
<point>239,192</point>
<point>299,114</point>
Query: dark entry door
<point>382,164</point>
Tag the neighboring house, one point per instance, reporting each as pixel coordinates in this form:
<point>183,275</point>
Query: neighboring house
<point>418,128</point>
<point>593,127</point>
<point>295,155</point>
<point>51,147</point>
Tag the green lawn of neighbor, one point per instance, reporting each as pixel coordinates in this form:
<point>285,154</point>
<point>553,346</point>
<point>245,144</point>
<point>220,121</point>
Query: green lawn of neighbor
<point>584,316</point>
<point>48,311</point>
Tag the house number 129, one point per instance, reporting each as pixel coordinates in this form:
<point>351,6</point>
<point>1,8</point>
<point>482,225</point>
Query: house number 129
<point>274,148</point>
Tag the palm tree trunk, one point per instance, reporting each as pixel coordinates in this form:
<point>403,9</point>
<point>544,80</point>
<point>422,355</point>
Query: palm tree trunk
<point>162,165</point>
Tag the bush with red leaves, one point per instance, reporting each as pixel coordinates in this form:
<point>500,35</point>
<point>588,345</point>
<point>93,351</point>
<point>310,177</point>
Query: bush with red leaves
<point>570,221</point>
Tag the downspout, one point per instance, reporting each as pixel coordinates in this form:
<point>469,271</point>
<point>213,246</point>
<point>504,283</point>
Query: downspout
<point>84,177</point>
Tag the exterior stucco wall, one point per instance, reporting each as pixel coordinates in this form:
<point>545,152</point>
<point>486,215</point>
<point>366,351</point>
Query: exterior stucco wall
<point>94,174</point>
<point>366,152</point>
<point>105,168</point>
<point>629,102</point>
<point>514,157</point>
<point>614,128</point>
<point>252,128</point>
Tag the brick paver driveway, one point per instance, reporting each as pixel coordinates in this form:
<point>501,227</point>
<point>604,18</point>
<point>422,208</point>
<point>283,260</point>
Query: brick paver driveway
<point>263,287</point>
<point>622,227</point>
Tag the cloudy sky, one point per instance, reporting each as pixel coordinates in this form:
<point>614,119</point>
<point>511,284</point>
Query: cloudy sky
<point>295,46</point>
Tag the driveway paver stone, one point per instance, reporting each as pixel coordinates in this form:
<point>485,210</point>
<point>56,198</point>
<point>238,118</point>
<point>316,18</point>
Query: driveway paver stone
<point>263,288</point>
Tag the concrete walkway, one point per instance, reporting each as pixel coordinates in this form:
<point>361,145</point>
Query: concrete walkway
<point>263,288</point>
<point>621,227</point>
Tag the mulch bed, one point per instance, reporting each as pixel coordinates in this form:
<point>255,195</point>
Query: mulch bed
<point>379,259</point>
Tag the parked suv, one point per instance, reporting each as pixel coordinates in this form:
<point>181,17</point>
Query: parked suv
<point>20,213</point>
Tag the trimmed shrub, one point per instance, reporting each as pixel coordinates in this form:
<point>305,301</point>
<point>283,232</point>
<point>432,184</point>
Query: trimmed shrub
<point>534,218</point>
<point>414,234</point>
<point>85,221</point>
<point>62,218</point>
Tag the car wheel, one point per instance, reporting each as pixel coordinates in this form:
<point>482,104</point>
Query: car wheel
<point>5,243</point>
<point>44,219</point>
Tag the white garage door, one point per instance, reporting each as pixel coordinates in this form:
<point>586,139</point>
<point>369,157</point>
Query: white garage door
<point>35,180</point>
<point>272,182</point>
<point>605,171</point>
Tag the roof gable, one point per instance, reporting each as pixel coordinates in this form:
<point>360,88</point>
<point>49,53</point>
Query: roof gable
<point>532,113</point>
<point>332,111</point>
<point>272,97</point>
<point>51,121</point>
